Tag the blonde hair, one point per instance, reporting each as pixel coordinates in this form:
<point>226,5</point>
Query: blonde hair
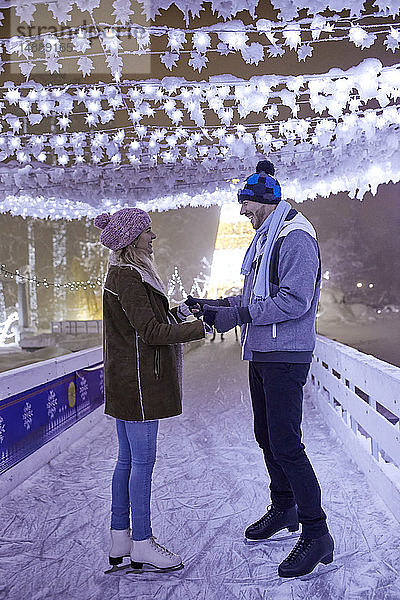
<point>138,258</point>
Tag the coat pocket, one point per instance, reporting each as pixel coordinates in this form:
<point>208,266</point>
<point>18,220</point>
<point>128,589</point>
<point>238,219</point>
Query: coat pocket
<point>157,362</point>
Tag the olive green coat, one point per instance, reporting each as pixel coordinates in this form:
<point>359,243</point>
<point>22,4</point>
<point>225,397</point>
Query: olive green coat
<point>141,348</point>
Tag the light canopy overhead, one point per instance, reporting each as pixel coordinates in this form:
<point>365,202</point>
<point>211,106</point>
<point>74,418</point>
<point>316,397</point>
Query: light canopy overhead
<point>71,149</point>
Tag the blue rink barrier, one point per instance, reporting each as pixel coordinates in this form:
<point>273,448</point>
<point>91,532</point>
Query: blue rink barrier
<point>34,416</point>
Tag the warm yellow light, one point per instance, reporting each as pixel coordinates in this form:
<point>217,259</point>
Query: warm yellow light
<point>233,237</point>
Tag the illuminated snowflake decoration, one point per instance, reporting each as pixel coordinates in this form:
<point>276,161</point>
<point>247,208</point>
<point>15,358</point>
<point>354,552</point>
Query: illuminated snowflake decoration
<point>2,429</point>
<point>27,415</point>
<point>101,382</point>
<point>83,388</point>
<point>52,404</point>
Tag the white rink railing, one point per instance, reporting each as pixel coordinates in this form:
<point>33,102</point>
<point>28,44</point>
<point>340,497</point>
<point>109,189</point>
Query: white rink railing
<point>21,379</point>
<point>359,397</point>
<point>77,327</point>
<point>61,396</point>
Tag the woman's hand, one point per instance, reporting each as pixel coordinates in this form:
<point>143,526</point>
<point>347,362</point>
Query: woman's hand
<point>198,303</point>
<point>194,305</point>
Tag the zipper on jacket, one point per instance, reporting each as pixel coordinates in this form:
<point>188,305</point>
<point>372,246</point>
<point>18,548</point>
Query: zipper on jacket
<point>246,331</point>
<point>157,363</point>
<point>245,339</point>
<point>274,330</point>
<point>138,373</point>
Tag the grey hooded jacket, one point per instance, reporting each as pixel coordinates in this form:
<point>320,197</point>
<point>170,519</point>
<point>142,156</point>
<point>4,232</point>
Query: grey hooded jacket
<point>281,328</point>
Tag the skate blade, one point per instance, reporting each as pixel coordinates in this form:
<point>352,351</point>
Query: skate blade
<point>277,537</point>
<point>117,568</point>
<point>317,572</point>
<point>322,570</point>
<point>153,569</point>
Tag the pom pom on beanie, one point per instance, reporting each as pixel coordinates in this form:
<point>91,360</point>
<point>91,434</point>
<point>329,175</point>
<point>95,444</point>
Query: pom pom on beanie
<point>101,221</point>
<point>265,166</point>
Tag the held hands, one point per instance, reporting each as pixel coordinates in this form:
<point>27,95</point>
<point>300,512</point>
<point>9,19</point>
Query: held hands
<point>196,305</point>
<point>215,313</point>
<point>221,317</point>
<point>200,302</point>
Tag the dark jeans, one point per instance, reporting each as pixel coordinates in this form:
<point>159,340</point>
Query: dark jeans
<point>277,396</point>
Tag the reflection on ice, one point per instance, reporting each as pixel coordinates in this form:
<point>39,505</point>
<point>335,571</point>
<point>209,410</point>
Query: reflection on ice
<point>209,484</point>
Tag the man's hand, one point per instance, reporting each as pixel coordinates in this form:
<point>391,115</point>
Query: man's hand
<point>196,304</point>
<point>221,317</point>
<point>219,302</point>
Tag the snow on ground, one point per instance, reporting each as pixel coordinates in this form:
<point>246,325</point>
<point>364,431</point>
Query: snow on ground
<point>12,356</point>
<point>209,483</point>
<point>360,326</point>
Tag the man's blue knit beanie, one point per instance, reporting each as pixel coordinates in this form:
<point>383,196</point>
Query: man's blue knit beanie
<point>261,187</point>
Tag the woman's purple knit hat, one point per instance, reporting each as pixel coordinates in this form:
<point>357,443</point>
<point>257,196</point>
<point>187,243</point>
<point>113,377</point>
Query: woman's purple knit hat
<point>121,228</point>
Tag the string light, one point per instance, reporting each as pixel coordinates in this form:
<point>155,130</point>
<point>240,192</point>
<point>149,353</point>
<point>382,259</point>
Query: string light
<point>72,286</point>
<point>199,286</point>
<point>299,35</point>
<point>370,79</point>
<point>235,137</point>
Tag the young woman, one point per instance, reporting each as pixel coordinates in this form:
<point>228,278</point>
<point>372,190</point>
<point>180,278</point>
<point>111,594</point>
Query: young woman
<point>142,367</point>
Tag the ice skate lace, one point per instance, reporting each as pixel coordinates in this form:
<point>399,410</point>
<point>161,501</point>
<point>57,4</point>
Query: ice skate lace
<point>160,548</point>
<point>267,518</point>
<point>299,551</point>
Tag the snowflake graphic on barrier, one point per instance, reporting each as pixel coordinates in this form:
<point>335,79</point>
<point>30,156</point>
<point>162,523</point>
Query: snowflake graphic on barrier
<point>101,382</point>
<point>27,415</point>
<point>83,388</point>
<point>2,429</point>
<point>52,402</point>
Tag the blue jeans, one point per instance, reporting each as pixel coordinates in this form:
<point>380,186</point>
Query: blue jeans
<point>131,483</point>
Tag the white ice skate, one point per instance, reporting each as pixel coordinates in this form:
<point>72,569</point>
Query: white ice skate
<point>120,547</point>
<point>148,554</point>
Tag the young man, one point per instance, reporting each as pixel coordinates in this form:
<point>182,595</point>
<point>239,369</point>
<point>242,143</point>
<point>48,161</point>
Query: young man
<point>277,312</point>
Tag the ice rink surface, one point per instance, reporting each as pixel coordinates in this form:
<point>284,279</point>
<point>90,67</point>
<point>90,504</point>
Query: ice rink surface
<point>209,484</point>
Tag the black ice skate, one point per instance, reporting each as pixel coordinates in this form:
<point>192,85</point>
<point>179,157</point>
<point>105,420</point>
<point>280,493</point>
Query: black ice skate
<point>306,555</point>
<point>273,521</point>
